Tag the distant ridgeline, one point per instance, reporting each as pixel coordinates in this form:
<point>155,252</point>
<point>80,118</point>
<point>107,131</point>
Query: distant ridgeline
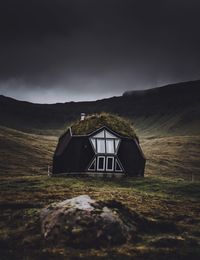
<point>183,88</point>
<point>173,109</point>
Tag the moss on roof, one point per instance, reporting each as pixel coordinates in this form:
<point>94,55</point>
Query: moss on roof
<point>93,122</point>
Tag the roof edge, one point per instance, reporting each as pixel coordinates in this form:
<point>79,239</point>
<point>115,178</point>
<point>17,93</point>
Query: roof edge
<point>101,128</point>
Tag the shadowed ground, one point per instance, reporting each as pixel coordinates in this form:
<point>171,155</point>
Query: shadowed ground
<point>166,194</point>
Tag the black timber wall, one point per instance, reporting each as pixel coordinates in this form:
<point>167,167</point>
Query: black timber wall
<point>75,157</point>
<point>131,157</point>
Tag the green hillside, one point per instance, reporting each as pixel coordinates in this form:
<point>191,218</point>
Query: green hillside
<point>167,123</point>
<point>160,111</point>
<point>30,154</point>
<point>24,154</point>
<point>167,194</point>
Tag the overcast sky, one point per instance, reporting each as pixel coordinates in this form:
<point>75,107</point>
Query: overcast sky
<point>62,50</point>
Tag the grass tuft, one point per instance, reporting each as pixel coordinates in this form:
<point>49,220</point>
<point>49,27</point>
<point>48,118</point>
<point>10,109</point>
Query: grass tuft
<point>95,121</point>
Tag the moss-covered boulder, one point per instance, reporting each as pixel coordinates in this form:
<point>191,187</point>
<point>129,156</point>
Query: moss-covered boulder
<point>83,222</point>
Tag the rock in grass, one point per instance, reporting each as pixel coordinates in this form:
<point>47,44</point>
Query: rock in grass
<point>83,222</point>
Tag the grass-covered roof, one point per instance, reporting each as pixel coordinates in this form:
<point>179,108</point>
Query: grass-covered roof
<point>93,122</point>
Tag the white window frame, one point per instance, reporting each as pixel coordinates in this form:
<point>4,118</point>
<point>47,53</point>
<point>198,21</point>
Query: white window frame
<point>113,145</point>
<point>113,163</point>
<point>117,147</point>
<point>103,138</point>
<point>104,160</point>
<point>98,140</point>
<point>95,162</point>
<point>118,162</point>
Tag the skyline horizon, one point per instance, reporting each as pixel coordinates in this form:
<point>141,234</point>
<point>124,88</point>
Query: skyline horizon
<point>72,50</point>
<point>100,97</point>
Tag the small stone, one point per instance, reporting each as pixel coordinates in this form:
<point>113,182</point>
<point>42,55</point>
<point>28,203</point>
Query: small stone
<point>77,230</point>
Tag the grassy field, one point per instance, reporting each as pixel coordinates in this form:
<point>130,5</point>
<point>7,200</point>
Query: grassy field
<point>173,157</point>
<point>169,196</point>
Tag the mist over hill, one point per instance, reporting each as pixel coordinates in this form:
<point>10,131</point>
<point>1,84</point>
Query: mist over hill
<point>172,108</point>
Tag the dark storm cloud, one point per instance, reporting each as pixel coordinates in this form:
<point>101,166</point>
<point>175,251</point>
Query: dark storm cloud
<point>84,49</point>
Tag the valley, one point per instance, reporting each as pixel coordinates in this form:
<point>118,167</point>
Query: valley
<point>167,123</point>
<point>167,193</point>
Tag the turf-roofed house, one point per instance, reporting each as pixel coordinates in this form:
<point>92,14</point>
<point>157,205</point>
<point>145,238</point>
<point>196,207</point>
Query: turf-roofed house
<point>101,144</point>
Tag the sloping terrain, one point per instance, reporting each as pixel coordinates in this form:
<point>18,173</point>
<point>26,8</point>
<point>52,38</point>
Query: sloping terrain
<point>170,109</point>
<point>167,196</point>
<point>30,154</point>
<point>24,154</point>
<point>173,156</point>
<point>167,123</point>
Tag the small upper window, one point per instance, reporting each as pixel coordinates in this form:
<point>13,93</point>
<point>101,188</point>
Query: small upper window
<point>109,135</point>
<point>93,143</point>
<point>101,146</point>
<point>100,135</point>
<point>105,143</point>
<point>110,146</point>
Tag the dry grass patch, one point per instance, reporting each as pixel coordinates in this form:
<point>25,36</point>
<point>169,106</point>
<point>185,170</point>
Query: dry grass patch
<point>164,196</point>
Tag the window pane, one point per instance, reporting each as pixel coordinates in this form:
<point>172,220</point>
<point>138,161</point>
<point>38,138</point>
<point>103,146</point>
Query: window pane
<point>116,144</point>
<point>100,146</point>
<point>110,161</point>
<point>101,134</point>
<point>110,146</point>
<point>93,164</point>
<point>94,144</point>
<point>108,135</point>
<point>101,162</point>
<point>117,166</point>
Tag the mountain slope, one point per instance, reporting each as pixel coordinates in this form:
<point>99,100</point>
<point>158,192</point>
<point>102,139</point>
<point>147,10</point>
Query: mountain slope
<point>166,197</point>
<point>173,108</point>
<point>23,153</point>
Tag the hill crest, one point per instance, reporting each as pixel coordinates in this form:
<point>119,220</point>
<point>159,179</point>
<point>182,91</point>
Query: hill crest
<point>172,108</point>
